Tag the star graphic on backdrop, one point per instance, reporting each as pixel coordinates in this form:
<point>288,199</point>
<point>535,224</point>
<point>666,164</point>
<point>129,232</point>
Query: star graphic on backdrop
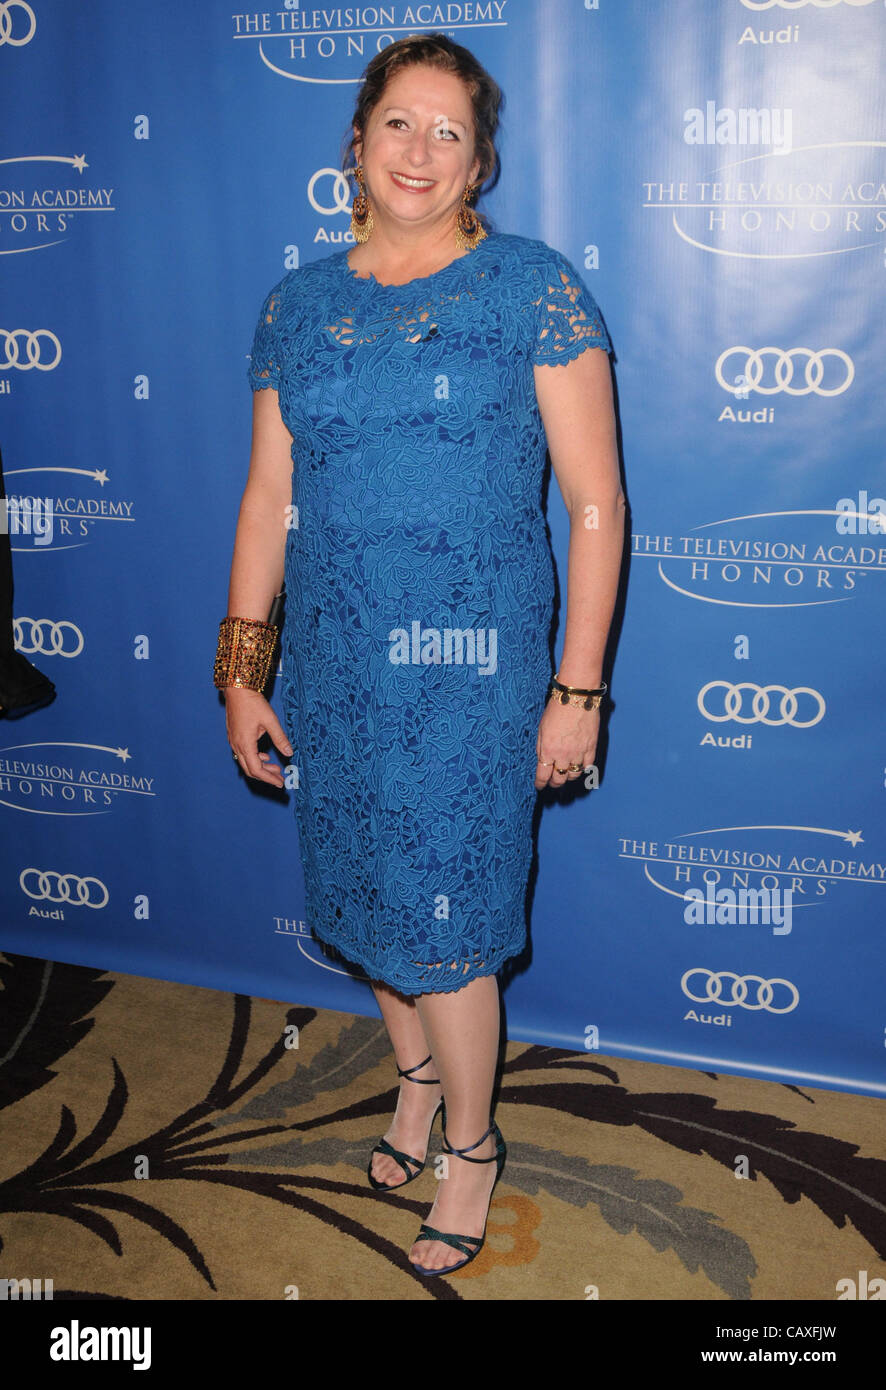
<point>853,836</point>
<point>79,163</point>
<point>100,476</point>
<point>124,755</point>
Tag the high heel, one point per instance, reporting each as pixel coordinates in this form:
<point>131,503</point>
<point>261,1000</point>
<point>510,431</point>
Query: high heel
<point>402,1159</point>
<point>461,1243</point>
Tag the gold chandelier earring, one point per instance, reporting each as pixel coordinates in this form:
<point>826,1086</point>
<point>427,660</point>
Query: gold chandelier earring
<point>469,231</point>
<point>361,212</point>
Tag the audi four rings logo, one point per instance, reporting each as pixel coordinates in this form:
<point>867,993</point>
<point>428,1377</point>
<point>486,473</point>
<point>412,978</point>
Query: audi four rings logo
<point>24,349</point>
<point>47,638</point>
<point>341,192</point>
<point>765,991</point>
<point>760,704</point>
<point>9,20</point>
<point>47,886</point>
<point>746,373</point>
<point>798,4</point>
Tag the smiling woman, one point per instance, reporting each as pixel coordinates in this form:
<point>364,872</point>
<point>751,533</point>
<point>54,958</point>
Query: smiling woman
<point>415,160</point>
<point>406,393</point>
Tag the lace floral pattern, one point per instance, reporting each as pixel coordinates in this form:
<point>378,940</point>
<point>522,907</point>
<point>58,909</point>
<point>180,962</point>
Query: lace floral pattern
<point>419,588</point>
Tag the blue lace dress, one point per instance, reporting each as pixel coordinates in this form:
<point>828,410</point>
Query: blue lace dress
<point>419,590</point>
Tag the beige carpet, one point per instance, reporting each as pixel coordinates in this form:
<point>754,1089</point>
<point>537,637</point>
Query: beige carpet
<point>620,1181</point>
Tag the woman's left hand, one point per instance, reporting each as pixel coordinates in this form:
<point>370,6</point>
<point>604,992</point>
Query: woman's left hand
<point>566,734</point>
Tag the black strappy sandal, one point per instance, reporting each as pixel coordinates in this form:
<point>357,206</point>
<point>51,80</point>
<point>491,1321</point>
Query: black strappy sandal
<point>405,1161</point>
<point>463,1243</point>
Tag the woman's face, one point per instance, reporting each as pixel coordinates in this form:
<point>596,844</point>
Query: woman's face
<point>420,131</point>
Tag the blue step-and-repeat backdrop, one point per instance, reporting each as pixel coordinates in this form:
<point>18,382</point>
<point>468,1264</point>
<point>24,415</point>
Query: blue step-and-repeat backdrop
<point>717,171</point>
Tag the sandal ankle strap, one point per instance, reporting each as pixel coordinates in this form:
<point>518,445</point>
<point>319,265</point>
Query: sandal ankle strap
<point>463,1153</point>
<point>419,1080</point>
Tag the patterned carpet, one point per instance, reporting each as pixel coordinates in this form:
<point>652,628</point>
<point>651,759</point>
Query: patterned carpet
<point>164,1141</point>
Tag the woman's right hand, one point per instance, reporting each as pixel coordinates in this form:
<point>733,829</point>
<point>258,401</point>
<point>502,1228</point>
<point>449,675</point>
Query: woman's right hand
<point>248,715</point>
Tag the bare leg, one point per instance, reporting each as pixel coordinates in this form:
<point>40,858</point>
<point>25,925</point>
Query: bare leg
<point>462,1029</point>
<point>416,1104</point>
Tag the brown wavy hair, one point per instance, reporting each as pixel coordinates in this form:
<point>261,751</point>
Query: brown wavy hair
<point>435,51</point>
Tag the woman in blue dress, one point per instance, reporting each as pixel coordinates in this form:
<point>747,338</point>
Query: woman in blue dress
<point>406,392</point>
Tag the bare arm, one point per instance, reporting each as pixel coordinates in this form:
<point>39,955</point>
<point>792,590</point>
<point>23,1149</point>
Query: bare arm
<point>576,406</point>
<point>260,542</point>
<point>575,402</point>
<point>257,575</point>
